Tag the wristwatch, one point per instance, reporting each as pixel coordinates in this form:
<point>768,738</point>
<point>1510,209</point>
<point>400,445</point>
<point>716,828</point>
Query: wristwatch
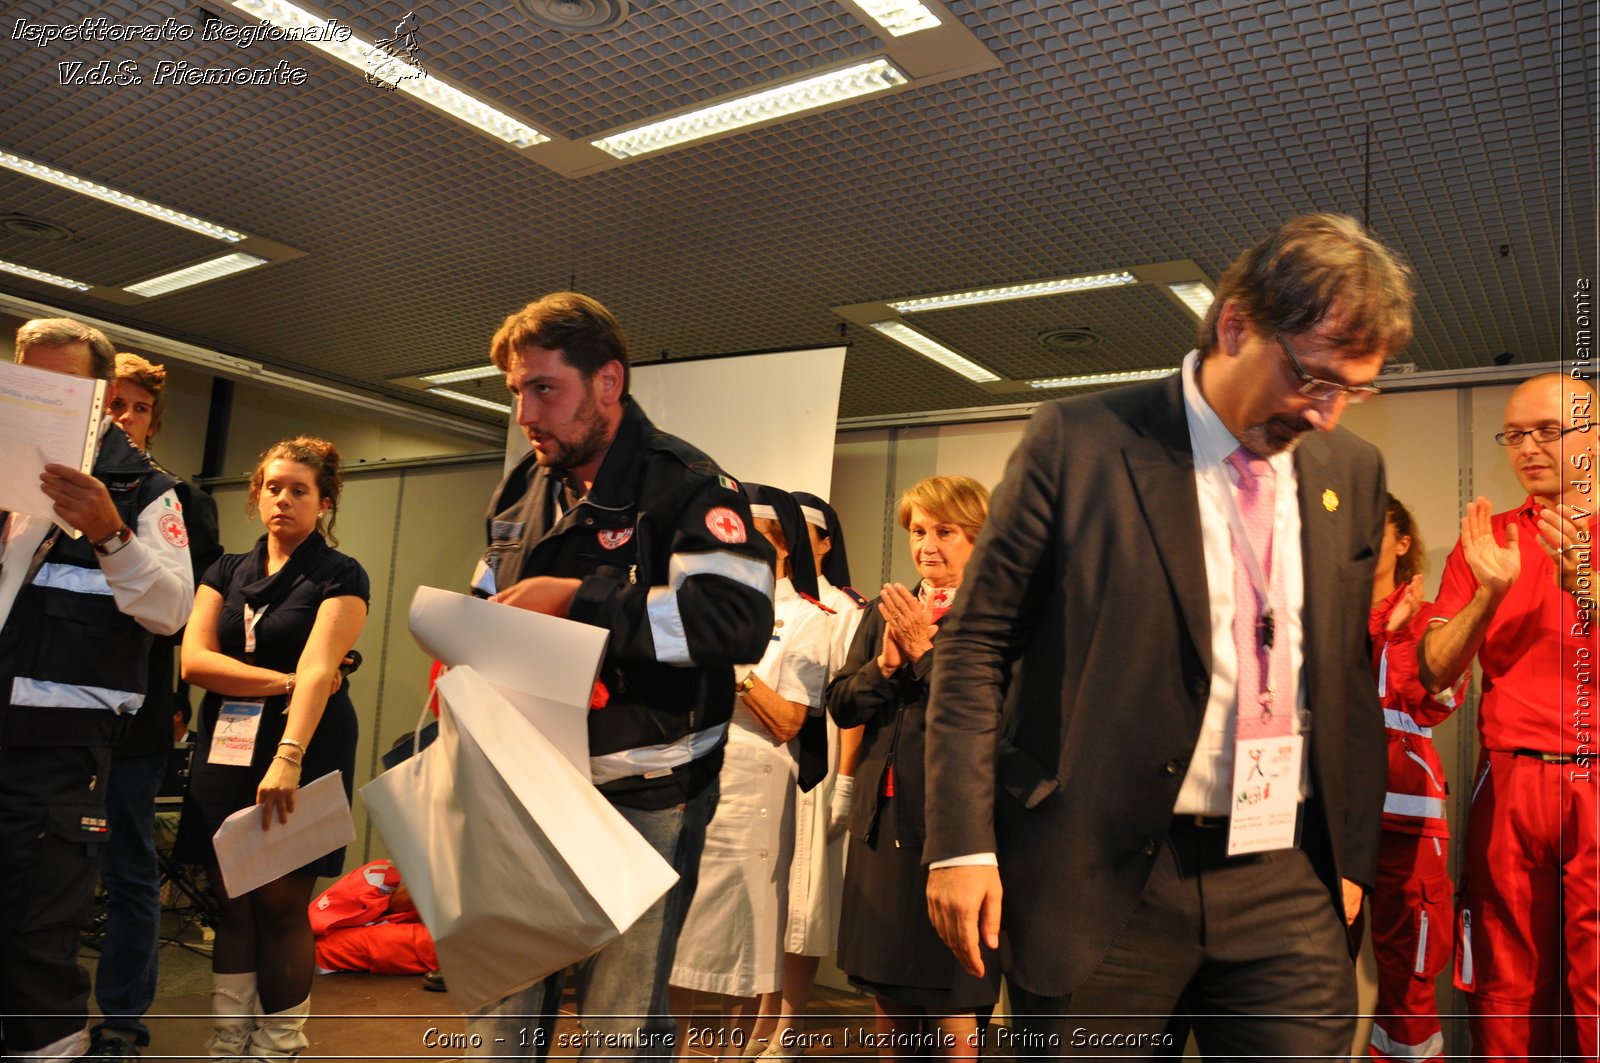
<point>113,542</point>
<point>745,685</point>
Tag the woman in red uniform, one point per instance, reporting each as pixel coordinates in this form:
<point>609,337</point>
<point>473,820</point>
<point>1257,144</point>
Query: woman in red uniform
<point>1411,917</point>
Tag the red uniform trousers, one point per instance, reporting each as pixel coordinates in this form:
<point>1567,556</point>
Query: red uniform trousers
<point>1528,948</point>
<point>1411,921</point>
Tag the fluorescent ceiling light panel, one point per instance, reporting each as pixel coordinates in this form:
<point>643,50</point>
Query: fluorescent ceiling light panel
<point>471,400</point>
<point>1196,295</point>
<point>360,53</point>
<point>1060,286</point>
<point>907,336</point>
<point>1091,379</point>
<point>42,276</point>
<point>780,102</point>
<point>899,17</point>
<point>457,376</point>
<point>198,273</point>
<point>117,199</point>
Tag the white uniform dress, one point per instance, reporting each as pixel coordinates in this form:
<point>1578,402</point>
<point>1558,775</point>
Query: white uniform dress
<point>732,939</point>
<point>816,874</point>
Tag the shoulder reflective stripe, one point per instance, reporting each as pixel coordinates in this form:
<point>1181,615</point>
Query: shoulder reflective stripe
<point>72,578</point>
<point>1412,805</point>
<point>750,571</point>
<point>666,626</point>
<point>44,694</point>
<point>646,760</point>
<point>1400,720</point>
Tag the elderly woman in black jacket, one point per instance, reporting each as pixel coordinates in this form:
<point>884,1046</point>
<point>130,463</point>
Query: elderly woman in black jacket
<point>886,944</point>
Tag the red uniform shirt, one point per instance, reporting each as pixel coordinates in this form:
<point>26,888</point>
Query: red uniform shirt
<point>1539,652</point>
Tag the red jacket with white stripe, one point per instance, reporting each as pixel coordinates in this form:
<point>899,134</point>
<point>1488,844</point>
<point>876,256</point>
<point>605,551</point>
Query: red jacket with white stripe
<point>1415,801</point>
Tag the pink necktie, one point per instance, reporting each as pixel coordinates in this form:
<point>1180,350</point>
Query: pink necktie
<point>1258,717</point>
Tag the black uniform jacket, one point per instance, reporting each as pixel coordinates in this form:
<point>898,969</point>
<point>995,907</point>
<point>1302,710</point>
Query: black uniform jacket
<point>671,565</point>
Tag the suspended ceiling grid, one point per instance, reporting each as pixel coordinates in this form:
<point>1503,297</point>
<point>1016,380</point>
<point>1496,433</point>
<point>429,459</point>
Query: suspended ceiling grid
<point>1111,133</point>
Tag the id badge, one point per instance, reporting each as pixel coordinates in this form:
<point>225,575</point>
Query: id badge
<point>233,740</point>
<point>1266,794</point>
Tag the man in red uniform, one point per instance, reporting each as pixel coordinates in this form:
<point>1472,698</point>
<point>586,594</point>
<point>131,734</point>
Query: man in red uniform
<point>1518,591</point>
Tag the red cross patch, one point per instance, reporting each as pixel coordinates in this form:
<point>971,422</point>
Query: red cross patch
<point>612,538</point>
<point>173,531</point>
<point>725,524</point>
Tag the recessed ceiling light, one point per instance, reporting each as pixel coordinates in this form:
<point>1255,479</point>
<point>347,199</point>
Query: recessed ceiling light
<point>43,277</point>
<point>307,27</point>
<point>1196,295</point>
<point>762,106</point>
<point>899,17</point>
<point>470,400</point>
<point>86,187</point>
<point>934,351</point>
<point>1030,290</point>
<point>198,273</point>
<point>457,376</point>
<point>1091,379</point>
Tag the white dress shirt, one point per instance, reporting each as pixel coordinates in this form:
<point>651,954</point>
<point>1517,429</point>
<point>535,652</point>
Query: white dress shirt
<point>1209,780</point>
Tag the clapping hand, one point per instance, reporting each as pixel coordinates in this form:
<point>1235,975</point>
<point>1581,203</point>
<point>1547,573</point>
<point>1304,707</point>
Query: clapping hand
<point>1496,567</point>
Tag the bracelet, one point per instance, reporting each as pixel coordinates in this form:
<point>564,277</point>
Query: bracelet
<point>287,760</point>
<point>288,682</point>
<point>291,742</point>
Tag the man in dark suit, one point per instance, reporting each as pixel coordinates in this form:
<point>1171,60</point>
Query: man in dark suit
<point>1184,568</point>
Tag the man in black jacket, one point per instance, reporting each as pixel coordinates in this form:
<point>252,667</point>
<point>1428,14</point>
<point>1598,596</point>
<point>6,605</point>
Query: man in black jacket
<point>77,612</point>
<point>612,522</point>
<point>1184,568</point>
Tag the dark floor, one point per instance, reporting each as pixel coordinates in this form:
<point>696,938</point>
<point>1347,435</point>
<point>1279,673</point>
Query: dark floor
<point>366,1016</point>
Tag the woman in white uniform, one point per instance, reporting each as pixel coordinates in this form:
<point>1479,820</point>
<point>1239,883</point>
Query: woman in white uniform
<point>732,939</point>
<point>816,874</point>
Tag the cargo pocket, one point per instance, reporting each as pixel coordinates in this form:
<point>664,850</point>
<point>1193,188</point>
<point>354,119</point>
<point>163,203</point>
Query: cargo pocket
<point>65,865</point>
<point>1433,927</point>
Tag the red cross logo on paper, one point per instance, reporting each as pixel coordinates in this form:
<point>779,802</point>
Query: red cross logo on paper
<point>612,538</point>
<point>173,531</point>
<point>726,525</point>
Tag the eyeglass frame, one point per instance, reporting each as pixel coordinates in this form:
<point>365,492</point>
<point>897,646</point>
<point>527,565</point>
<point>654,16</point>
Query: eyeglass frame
<point>1505,440</point>
<point>1309,384</point>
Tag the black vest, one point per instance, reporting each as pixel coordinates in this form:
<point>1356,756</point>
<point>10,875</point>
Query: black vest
<point>70,661</point>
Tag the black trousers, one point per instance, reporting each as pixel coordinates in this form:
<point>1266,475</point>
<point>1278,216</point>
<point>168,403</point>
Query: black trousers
<point>1247,951</point>
<point>52,821</point>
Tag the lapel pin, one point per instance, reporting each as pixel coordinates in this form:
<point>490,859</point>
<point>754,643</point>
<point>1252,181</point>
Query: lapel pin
<point>1330,501</point>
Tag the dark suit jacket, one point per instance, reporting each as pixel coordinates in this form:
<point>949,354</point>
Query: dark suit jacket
<point>1091,569</point>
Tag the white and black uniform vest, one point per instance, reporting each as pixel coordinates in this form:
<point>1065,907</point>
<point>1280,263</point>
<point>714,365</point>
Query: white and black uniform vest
<point>71,663</point>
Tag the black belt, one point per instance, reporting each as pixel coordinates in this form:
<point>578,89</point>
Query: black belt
<point>1548,758</point>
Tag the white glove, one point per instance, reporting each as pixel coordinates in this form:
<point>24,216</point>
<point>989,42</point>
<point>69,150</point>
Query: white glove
<point>839,807</point>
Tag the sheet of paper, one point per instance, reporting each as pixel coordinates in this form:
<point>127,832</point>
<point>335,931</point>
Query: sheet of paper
<point>543,665</point>
<point>45,418</point>
<point>251,857</point>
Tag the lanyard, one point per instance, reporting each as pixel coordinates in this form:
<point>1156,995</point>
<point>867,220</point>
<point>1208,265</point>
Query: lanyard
<point>251,619</point>
<point>1266,623</point>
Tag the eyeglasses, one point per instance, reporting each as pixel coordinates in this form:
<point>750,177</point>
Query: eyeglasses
<point>1319,390</point>
<point>1545,433</point>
